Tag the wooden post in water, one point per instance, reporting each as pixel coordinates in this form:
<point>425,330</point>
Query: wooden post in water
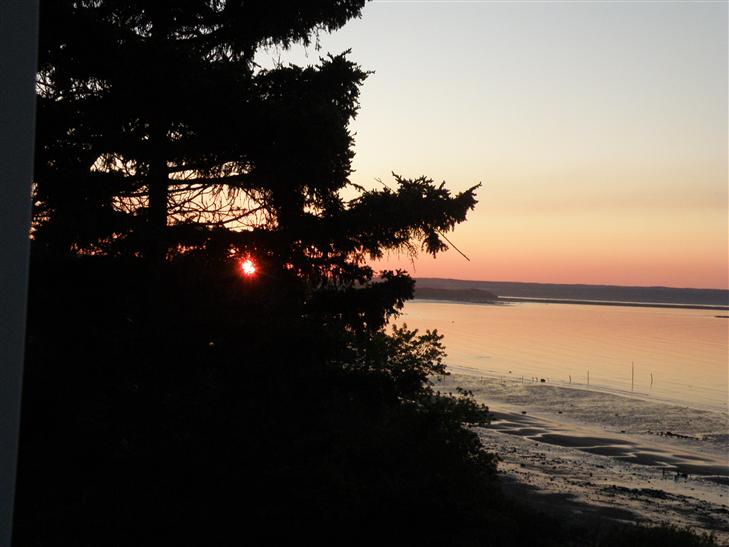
<point>588,376</point>
<point>651,379</point>
<point>632,375</point>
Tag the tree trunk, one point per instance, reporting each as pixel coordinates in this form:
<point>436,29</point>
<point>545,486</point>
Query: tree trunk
<point>158,181</point>
<point>157,214</point>
<point>156,244</point>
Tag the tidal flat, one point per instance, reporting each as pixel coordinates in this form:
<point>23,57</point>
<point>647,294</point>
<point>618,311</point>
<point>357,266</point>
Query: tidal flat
<point>596,458</point>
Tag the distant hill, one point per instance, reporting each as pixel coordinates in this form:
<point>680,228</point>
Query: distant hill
<point>458,295</point>
<point>605,293</point>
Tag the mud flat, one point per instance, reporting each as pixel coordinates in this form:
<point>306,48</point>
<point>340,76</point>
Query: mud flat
<point>595,457</point>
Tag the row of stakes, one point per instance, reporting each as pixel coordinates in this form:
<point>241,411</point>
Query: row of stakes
<point>535,379</point>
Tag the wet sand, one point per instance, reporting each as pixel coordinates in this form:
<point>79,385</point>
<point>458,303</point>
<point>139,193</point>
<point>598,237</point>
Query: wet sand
<point>643,462</point>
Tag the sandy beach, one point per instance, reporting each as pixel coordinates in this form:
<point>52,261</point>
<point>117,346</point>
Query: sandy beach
<point>594,457</point>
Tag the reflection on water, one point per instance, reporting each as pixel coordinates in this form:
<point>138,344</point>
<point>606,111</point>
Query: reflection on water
<point>677,355</point>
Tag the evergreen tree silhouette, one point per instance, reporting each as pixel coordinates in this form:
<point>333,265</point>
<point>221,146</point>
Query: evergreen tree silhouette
<point>164,156</point>
<point>160,137</point>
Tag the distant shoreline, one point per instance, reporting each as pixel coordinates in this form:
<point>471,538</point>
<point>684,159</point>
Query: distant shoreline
<point>516,300</point>
<point>608,303</point>
<point>471,297</point>
<point>601,295</point>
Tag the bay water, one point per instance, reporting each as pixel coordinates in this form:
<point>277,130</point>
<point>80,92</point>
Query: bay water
<point>673,355</point>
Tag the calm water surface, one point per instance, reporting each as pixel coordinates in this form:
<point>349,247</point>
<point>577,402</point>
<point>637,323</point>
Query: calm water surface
<point>685,351</point>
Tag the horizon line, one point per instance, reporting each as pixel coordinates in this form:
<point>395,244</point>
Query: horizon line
<point>576,284</point>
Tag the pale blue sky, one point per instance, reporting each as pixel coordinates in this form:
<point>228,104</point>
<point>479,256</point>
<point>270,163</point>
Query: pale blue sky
<point>598,128</point>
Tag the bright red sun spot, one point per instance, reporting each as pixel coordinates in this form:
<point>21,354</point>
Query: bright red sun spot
<point>247,267</point>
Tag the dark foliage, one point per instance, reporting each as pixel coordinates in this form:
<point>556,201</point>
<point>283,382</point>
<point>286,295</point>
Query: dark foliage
<point>225,427</point>
<point>159,136</point>
<point>170,401</point>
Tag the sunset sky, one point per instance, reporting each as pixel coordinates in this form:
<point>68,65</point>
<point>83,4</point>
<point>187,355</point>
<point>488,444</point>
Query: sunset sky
<point>599,130</point>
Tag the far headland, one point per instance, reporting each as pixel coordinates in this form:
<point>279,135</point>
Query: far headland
<point>607,295</point>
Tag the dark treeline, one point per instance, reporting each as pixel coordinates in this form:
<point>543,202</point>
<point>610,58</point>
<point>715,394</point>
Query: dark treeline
<point>171,400</point>
<point>608,293</point>
<point>456,295</point>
